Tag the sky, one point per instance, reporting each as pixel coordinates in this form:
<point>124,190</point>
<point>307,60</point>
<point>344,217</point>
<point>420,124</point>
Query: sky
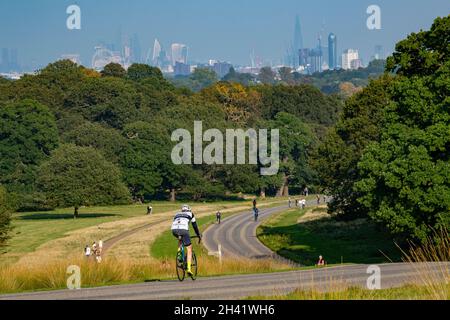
<point>226,30</point>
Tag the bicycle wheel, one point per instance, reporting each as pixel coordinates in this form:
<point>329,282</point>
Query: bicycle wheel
<point>181,273</point>
<point>194,267</point>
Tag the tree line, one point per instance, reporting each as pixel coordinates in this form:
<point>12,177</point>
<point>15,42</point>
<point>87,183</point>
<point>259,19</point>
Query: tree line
<point>71,136</point>
<point>388,156</point>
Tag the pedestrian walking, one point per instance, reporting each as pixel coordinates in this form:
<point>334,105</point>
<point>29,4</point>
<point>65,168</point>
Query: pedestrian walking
<point>306,192</point>
<point>87,251</point>
<point>218,217</point>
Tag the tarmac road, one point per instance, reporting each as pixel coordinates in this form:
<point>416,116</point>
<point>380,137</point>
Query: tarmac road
<point>242,286</point>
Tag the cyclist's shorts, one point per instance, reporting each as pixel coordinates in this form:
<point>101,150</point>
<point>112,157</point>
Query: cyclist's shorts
<point>185,237</point>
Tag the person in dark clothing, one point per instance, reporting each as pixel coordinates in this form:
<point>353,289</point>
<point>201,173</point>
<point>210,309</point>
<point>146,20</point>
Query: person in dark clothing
<point>218,217</point>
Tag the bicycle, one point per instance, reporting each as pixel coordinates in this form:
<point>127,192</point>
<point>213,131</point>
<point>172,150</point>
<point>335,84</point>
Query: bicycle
<point>181,262</point>
<point>256,213</point>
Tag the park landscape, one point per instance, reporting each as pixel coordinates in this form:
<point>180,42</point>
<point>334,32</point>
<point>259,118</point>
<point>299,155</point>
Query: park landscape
<point>84,153</point>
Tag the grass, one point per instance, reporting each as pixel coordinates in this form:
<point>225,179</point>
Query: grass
<point>409,292</point>
<point>34,229</point>
<point>53,276</point>
<point>431,282</point>
<point>163,247</point>
<point>358,241</point>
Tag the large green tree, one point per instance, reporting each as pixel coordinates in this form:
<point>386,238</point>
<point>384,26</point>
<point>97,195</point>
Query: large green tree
<point>80,176</point>
<point>6,207</point>
<point>108,141</point>
<point>144,159</point>
<point>336,158</point>
<point>108,100</point>
<point>114,70</point>
<point>28,134</point>
<point>406,175</point>
<point>296,143</point>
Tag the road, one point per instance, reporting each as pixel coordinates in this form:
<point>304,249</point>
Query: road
<point>237,236</point>
<point>242,286</point>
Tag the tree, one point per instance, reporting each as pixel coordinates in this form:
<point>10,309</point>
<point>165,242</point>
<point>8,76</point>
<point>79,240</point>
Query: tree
<point>203,77</point>
<point>139,71</point>
<point>266,75</point>
<point>28,134</point>
<point>243,78</point>
<point>336,158</point>
<point>108,141</point>
<point>6,207</point>
<point>80,176</point>
<point>114,70</point>
<point>405,177</point>
<point>144,158</point>
<point>242,106</point>
<point>296,140</point>
<point>112,101</point>
<point>286,75</point>
<point>303,101</point>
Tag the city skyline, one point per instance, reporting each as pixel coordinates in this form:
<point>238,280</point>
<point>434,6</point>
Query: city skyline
<point>225,35</point>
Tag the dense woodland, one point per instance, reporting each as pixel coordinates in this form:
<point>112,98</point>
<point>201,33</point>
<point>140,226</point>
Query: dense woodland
<point>70,136</point>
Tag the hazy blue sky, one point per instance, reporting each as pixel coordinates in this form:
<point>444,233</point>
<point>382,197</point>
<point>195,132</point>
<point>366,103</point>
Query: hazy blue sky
<point>225,30</point>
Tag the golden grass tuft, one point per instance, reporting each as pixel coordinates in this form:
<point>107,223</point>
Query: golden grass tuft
<point>51,276</point>
<point>429,256</point>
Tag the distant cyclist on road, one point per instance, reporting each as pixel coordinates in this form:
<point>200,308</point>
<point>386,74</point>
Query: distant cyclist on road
<point>255,210</point>
<point>180,229</point>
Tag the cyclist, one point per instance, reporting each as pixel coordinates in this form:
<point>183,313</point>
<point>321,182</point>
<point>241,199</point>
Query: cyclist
<point>255,210</point>
<point>180,229</point>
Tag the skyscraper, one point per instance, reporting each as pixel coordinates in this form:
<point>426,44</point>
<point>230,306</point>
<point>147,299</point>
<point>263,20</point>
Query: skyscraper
<point>348,56</point>
<point>156,52</point>
<point>179,53</point>
<point>298,37</point>
<point>298,40</point>
<point>378,52</point>
<point>332,51</point>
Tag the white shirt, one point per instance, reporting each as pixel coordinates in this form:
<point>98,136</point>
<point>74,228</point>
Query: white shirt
<point>182,219</point>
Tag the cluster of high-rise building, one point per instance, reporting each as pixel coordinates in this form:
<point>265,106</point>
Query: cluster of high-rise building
<point>321,58</point>
<point>174,58</point>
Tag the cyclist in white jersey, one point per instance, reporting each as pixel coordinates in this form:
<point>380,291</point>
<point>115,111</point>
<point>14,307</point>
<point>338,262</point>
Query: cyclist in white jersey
<point>180,229</point>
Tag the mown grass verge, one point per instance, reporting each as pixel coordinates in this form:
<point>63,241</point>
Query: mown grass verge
<point>358,241</point>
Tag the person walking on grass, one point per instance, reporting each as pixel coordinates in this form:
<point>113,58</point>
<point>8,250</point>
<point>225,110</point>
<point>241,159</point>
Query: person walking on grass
<point>306,192</point>
<point>87,251</point>
<point>318,199</point>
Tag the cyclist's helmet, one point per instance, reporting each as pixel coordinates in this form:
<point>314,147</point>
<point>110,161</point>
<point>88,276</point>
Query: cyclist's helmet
<point>185,208</point>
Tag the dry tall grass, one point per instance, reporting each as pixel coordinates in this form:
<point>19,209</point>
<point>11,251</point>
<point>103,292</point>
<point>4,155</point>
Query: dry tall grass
<point>429,256</point>
<point>112,271</point>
